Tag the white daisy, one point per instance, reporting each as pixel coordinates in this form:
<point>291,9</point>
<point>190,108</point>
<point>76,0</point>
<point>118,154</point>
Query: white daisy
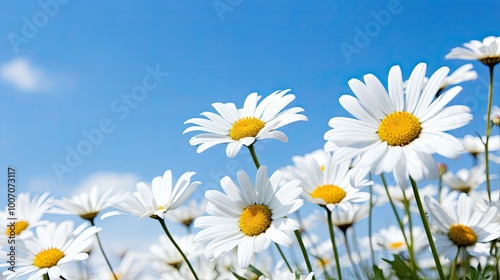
<point>239,127</point>
<point>336,185</point>
<point>249,218</point>
<point>391,239</point>
<point>27,213</point>
<point>399,195</point>
<point>345,218</point>
<point>398,131</point>
<point>462,74</point>
<point>487,51</point>
<point>85,205</point>
<point>475,145</point>
<point>164,253</point>
<point>465,180</point>
<point>280,272</point>
<point>186,214</point>
<point>463,228</point>
<point>299,161</point>
<point>159,199</point>
<point>53,246</point>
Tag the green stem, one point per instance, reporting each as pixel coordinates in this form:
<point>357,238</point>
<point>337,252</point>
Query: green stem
<point>370,224</point>
<point>46,276</point>
<point>251,148</point>
<point>332,239</point>
<point>427,228</point>
<point>283,256</point>
<point>488,132</point>
<point>164,226</point>
<point>349,254</point>
<point>102,250</point>
<point>453,272</point>
<point>465,261</point>
<point>304,252</point>
<point>440,187</point>
<point>356,247</point>
<point>411,249</point>
<point>393,206</point>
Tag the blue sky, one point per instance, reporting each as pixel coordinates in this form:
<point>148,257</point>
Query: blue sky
<point>74,64</point>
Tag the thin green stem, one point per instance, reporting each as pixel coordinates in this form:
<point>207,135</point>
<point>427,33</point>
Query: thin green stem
<point>164,226</point>
<point>411,249</point>
<point>440,187</point>
<point>304,252</point>
<point>46,276</point>
<point>488,132</point>
<point>251,148</point>
<point>427,228</point>
<point>102,250</point>
<point>453,272</point>
<point>465,262</point>
<point>370,224</point>
<point>283,256</point>
<point>356,247</point>
<point>400,222</point>
<point>332,239</point>
<point>349,254</point>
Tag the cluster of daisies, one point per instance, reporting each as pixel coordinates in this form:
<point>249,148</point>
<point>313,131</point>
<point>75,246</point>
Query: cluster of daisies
<point>253,228</point>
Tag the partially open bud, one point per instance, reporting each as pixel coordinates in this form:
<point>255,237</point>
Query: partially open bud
<point>496,120</point>
<point>442,168</point>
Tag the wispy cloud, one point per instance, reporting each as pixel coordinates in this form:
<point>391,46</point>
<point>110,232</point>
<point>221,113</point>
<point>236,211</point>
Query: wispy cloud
<point>105,180</point>
<point>21,74</point>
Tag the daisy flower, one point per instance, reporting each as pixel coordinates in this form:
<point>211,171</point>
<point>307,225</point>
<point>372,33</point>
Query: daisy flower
<point>463,228</point>
<point>53,246</point>
<point>345,218</point>
<point>336,185</point>
<point>249,217</point>
<point>85,205</point>
<point>186,214</point>
<point>157,200</point>
<point>28,213</point>
<point>165,253</point>
<point>238,127</point>
<point>462,74</point>
<point>391,239</point>
<point>475,145</point>
<point>487,51</point>
<point>465,180</point>
<point>398,130</point>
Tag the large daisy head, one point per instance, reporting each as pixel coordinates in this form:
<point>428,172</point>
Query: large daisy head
<point>463,226</point>
<point>238,127</point>
<point>486,51</point>
<point>249,217</point>
<point>54,245</point>
<point>332,184</point>
<point>398,130</point>
<point>156,201</point>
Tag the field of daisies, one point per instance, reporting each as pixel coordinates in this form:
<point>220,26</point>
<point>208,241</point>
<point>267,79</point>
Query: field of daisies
<point>446,229</point>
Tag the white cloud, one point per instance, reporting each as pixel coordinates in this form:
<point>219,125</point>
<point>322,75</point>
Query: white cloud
<point>105,180</point>
<point>21,74</point>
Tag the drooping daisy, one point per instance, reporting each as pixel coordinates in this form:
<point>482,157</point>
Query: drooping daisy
<point>462,74</point>
<point>238,127</point>
<point>164,253</point>
<point>249,217</point>
<point>346,218</point>
<point>474,145</point>
<point>465,180</point>
<point>336,185</point>
<point>487,51</point>
<point>186,214</point>
<point>159,199</point>
<point>395,130</point>
<point>53,246</point>
<point>27,213</point>
<point>85,205</point>
<point>463,228</point>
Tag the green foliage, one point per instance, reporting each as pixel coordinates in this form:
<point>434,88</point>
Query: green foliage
<point>402,270</point>
<point>482,274</point>
<point>379,274</point>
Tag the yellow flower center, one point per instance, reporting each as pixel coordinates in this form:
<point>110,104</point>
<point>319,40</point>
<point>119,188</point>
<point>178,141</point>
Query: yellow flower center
<point>462,236</point>
<point>464,188</point>
<point>255,219</point>
<point>48,258</point>
<point>399,129</point>
<point>322,168</point>
<point>161,207</point>
<point>18,228</point>
<point>331,194</point>
<point>89,216</point>
<point>246,127</point>
<point>396,245</point>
